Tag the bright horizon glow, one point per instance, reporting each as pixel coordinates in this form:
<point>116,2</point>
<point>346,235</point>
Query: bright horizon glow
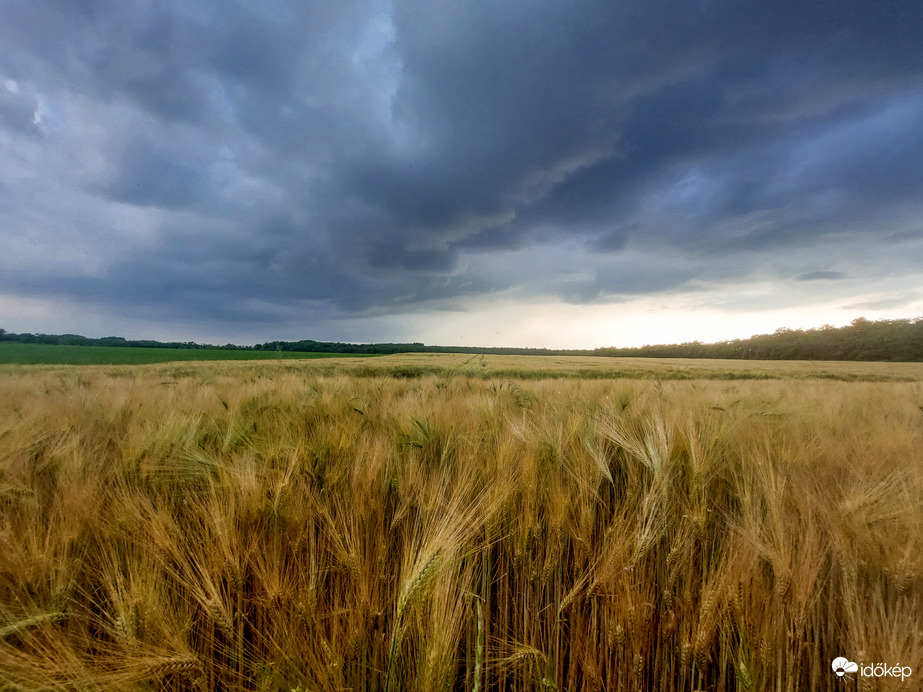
<point>639,323</point>
<point>500,323</point>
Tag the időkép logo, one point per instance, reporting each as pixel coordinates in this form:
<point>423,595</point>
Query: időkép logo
<point>842,666</point>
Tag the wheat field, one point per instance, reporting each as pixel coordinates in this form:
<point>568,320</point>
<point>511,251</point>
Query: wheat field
<point>460,523</point>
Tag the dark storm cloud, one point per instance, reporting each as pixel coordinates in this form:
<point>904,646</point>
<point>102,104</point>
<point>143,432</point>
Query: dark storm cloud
<point>368,156</point>
<point>149,173</point>
<point>17,111</point>
<point>821,275</point>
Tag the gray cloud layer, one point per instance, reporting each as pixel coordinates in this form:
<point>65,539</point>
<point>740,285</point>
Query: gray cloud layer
<point>266,162</point>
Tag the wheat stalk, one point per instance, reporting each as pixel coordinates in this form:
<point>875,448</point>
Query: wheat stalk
<point>411,593</point>
<point>29,622</point>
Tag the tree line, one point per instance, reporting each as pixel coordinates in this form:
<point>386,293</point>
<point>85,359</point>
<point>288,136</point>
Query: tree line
<point>881,340</point>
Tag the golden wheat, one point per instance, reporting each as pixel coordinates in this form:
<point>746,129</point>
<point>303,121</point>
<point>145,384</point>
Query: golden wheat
<point>407,524</point>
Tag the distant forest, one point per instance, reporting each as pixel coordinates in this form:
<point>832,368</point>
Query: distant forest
<point>888,340</point>
<point>882,340</point>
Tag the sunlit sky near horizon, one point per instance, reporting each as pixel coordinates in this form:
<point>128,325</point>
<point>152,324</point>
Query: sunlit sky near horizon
<point>569,175</point>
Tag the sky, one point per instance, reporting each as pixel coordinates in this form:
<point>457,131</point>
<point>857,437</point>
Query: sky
<point>482,172</point>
